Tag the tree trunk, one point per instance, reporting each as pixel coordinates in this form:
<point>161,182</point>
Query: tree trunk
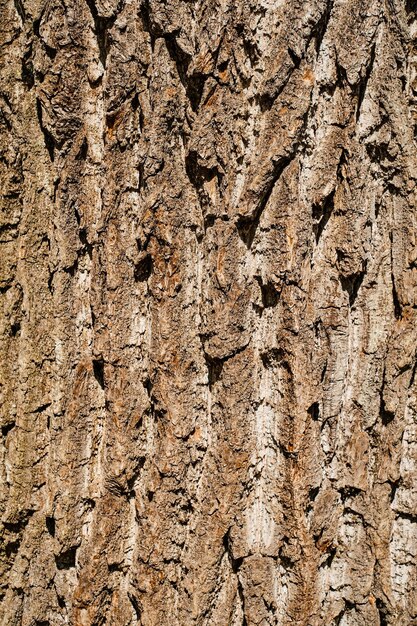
<point>209,291</point>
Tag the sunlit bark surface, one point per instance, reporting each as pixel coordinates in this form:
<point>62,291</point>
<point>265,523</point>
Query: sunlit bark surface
<point>208,313</point>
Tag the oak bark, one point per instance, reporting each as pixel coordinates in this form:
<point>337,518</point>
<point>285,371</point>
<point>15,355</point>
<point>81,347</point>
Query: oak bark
<point>209,327</point>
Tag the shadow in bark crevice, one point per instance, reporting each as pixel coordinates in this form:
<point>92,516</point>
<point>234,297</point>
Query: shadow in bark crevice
<point>101,27</point>
<point>48,138</point>
<point>66,559</point>
<point>247,225</point>
<point>352,283</point>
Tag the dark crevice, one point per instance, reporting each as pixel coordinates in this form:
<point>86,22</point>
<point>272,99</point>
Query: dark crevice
<point>235,565</point>
<point>395,299</point>
<point>134,103</point>
<point>363,82</point>
<point>72,269</point>
<point>98,370</point>
<point>5,119</point>
<point>270,606</point>
<point>27,73</point>
<point>331,553</point>
<point>112,118</point>
<point>320,28</point>
<point>194,84</point>
<point>143,245</point>
<point>101,28</point>
<point>349,605</point>
<point>19,525</point>
<point>61,602</point>
<point>139,463</point>
<point>136,606</point>
<point>247,224</point>
<point>267,100</point>
<point>413,375</point>
<point>382,611</point>
<point>209,221</point>
<point>287,562</point>
<point>314,411</point>
<point>12,547</point>
<point>158,413</point>
<point>321,215</point>
<point>214,369</point>
<point>56,185</point>
<point>294,58</point>
<point>115,567</point>
<point>351,283</point>
<point>394,484</point>
<point>9,228</point>
<point>51,52</point>
<point>88,247</point>
<point>215,364</point>
<point>242,601</point>
<point>15,329</point>
<point>148,26</point>
<point>66,559</point>
<point>270,295</point>
<point>379,153</point>
<point>48,139</point>
<point>20,9</point>
<point>348,492</point>
<point>313,492</point>
<point>275,356</point>
<point>7,428</point>
<point>50,525</point>
<point>251,50</point>
<point>410,6</point>
<point>147,384</point>
<point>342,79</point>
<point>386,415</point>
<point>82,234</point>
<point>198,175</point>
<point>83,151</point>
<point>42,407</point>
<point>412,517</point>
<point>288,451</point>
<point>50,283</point>
<point>143,268</point>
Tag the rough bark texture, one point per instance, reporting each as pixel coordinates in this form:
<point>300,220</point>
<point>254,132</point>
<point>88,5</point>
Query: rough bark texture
<point>209,312</point>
